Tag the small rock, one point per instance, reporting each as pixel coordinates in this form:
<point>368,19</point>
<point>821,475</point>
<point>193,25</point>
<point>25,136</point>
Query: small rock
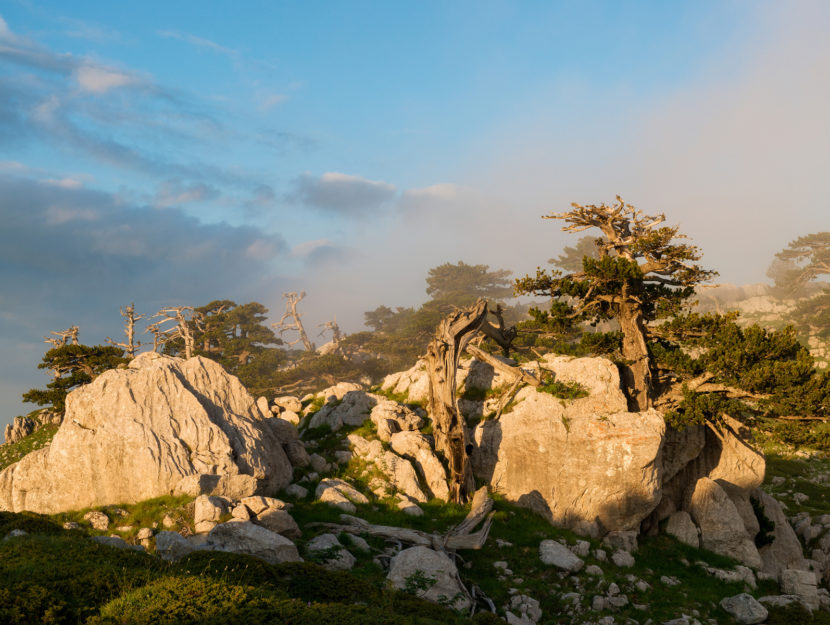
<point>71,525</point>
<point>670,580</point>
<point>98,520</point>
<point>144,533</point>
<point>342,456</point>
<point>297,491</point>
<point>359,543</point>
<point>625,540</point>
<point>594,570</point>
<point>553,553</point>
<point>15,534</point>
<point>241,512</point>
<point>289,403</point>
<point>172,545</point>
<point>600,555</point>
<point>331,553</point>
<point>622,559</point>
<point>318,463</point>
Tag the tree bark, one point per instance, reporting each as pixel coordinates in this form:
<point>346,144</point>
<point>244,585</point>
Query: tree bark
<point>451,435</point>
<point>636,372</point>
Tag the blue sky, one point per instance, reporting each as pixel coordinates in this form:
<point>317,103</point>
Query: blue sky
<point>175,153</point>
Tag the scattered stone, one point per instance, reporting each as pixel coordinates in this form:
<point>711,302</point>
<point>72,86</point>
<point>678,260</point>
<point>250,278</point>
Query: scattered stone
<point>622,559</point>
<point>279,521</point>
<point>802,584</point>
<point>331,554</point>
<point>526,609</point>
<point>800,498</point>
<point>112,541</point>
<point>600,555</point>
<point>582,548</point>
<point>289,403</point>
<point>417,447</point>
<point>318,463</point>
<point>241,513</point>
<point>172,545</point>
<point>297,491</point>
<point>359,543</point>
<point>555,554</point>
<point>670,580</point>
<point>208,512</point>
<point>745,608</point>
<point>625,540</point>
<point>144,533</point>
<point>71,525</point>
<point>342,456</point>
<point>297,454</point>
<point>98,520</point>
<point>594,570</point>
<point>15,534</point>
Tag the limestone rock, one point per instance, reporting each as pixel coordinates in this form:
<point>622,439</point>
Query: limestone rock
<point>279,521</point>
<point>721,527</point>
<point>682,527</point>
<point>611,479</point>
<point>416,447</point>
<point>413,382</point>
<point>295,490</point>
<point>245,537</point>
<point>297,454</point>
<point>599,376</point>
<point>338,391</point>
<point>802,584</point>
<point>401,475</point>
<point>116,542</point>
<point>745,608</point>
<point>556,554</point>
<point>258,504</point>
<point>172,545</point>
<point>134,433</point>
<point>391,417</point>
<point>339,494</point>
<point>785,550</point>
<point>98,520</point>
<point>622,539</point>
<point>353,409</point>
<point>435,567</point>
<point>208,512</point>
<point>228,486</point>
<point>18,429</point>
<point>287,402</point>
<point>524,610</point>
<point>289,416</point>
<point>332,554</point>
<point>622,558</point>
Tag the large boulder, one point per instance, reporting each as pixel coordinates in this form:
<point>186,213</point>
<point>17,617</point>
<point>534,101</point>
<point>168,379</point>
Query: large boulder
<point>432,574</point>
<point>134,433</point>
<point>245,537</point>
<point>721,527</point>
<point>784,552</point>
<point>352,409</point>
<point>417,448</point>
<point>585,464</point>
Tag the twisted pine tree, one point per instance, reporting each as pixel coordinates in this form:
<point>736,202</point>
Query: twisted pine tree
<point>641,274</point>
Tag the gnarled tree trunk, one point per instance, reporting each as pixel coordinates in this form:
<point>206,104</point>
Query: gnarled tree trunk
<point>637,373</point>
<point>451,435</point>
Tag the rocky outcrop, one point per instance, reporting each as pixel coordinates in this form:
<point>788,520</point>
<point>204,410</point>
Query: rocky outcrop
<point>721,527</point>
<point>418,448</point>
<point>784,552</point>
<point>585,464</point>
<point>135,433</point>
<point>245,537</point>
<point>18,429</point>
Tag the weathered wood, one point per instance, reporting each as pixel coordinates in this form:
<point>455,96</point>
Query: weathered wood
<point>182,317</point>
<point>503,367</point>
<point>283,325</point>
<point>451,435</point>
<point>480,508</point>
<point>130,346</point>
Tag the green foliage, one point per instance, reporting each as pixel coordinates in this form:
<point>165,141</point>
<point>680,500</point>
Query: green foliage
<point>765,535</point>
<point>74,365</point>
<point>563,390</point>
<point>418,583</point>
<point>698,408</point>
<point>571,257</point>
<point>462,284</point>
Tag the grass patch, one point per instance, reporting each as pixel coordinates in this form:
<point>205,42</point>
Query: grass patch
<point>563,390</point>
<point>40,438</point>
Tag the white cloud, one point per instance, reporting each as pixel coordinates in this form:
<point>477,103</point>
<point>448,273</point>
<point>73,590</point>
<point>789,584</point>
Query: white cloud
<point>64,183</point>
<point>175,193</point>
<point>199,42</point>
<point>101,79</point>
<point>302,250</point>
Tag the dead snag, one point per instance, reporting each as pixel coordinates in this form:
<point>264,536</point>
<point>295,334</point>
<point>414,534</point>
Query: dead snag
<point>451,436</point>
<point>284,325</point>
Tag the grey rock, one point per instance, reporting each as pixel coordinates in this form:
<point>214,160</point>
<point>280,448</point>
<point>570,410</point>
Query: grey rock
<point>98,520</point>
<point>745,608</point>
<point>417,448</point>
<point>721,527</point>
<point>682,527</point>
<point>622,539</point>
<point>555,554</point>
<point>622,559</point>
<point>334,554</point>
<point>245,537</point>
<point>289,403</point>
<point>803,584</point>
<point>431,565</point>
<point>279,521</point>
<point>172,545</point>
<point>295,490</point>
<point>785,550</point>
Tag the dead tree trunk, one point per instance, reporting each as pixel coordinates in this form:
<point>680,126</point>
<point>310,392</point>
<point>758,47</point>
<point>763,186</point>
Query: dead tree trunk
<point>182,330</point>
<point>291,301</point>
<point>451,435</point>
<point>130,318</point>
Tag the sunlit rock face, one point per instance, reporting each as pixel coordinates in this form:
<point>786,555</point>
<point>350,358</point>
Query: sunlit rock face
<point>135,433</point>
<point>586,464</point>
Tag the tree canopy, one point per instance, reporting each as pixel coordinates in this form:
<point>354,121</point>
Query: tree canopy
<point>641,274</point>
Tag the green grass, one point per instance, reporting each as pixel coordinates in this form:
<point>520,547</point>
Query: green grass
<point>40,438</point>
<point>563,390</point>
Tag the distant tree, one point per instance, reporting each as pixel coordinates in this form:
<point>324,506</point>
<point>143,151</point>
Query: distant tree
<point>233,334</point>
<point>461,284</point>
<point>291,321</point>
<point>73,365</point>
<point>175,329</point>
<point>130,346</point>
<point>640,275</point>
<point>571,257</point>
<point>807,264</point>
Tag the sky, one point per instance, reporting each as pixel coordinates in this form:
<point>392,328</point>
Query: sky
<point>178,153</point>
